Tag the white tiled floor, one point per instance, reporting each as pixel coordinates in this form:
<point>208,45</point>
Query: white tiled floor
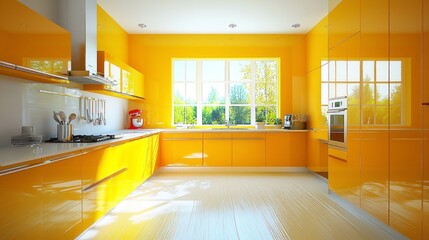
<point>172,205</point>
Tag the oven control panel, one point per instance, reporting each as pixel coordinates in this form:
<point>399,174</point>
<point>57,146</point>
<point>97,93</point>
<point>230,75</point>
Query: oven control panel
<point>337,103</point>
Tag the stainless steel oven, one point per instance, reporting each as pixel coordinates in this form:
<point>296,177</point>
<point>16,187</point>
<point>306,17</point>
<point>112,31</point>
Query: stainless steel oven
<point>337,122</point>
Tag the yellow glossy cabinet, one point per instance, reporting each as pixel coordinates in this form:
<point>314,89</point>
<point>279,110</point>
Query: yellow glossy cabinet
<point>286,149</point>
<point>130,81</point>
<point>375,173</point>
<point>119,184</point>
<point>97,173</point>
<point>137,79</point>
<point>405,182</point>
<point>182,149</point>
<point>337,170</point>
<point>405,133</point>
<point>217,149</point>
<point>344,169</point>
<point>248,149</point>
<point>34,42</point>
<point>62,196</point>
<point>426,173</point>
<point>317,45</point>
<point>344,20</point>
<point>21,203</point>
<point>426,120</point>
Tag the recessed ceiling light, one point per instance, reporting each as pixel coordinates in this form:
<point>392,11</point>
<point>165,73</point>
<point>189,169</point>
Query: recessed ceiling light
<point>296,25</point>
<point>232,25</point>
<point>141,25</point>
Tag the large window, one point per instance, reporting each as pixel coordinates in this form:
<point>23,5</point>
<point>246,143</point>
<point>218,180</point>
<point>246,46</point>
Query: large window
<point>214,91</point>
<point>379,89</point>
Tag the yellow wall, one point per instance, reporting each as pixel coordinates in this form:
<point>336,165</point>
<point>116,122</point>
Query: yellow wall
<point>152,55</point>
<point>111,37</point>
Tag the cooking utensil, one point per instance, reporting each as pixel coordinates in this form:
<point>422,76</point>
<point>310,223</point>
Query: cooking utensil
<point>104,112</point>
<point>63,117</point>
<point>88,106</point>
<point>94,112</point>
<point>71,118</point>
<point>100,112</point>
<point>56,117</point>
<point>82,118</point>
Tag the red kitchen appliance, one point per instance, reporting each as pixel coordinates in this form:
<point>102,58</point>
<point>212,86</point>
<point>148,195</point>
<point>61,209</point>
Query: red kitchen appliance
<point>136,121</point>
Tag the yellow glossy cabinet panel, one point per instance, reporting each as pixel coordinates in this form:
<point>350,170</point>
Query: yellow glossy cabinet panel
<point>344,20</point>
<point>138,81</point>
<point>119,184</point>
<point>375,173</point>
<point>62,197</point>
<point>337,170</point>
<point>426,174</point>
<point>96,199</point>
<point>286,149</point>
<point>248,149</point>
<point>405,133</point>
<point>152,156</point>
<point>43,45</point>
<point>217,149</point>
<point>21,204</point>
<point>317,45</point>
<point>137,160</point>
<point>426,121</point>
<point>405,182</point>
<point>182,149</point>
<point>278,150</point>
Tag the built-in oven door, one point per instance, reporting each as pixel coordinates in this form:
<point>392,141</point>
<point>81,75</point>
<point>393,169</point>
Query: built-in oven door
<point>337,127</point>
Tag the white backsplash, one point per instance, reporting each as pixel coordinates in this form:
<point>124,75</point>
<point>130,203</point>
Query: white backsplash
<point>22,104</point>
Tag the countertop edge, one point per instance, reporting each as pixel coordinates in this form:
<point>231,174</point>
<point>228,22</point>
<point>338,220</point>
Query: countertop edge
<point>23,155</point>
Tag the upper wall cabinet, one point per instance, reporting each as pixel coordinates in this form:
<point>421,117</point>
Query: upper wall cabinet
<point>130,81</point>
<point>32,46</point>
<point>340,30</point>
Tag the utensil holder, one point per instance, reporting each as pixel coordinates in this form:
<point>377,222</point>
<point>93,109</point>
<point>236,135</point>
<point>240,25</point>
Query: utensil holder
<point>65,133</point>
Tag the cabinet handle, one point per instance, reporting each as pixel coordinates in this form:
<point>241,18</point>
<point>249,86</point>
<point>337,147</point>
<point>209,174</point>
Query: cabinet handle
<point>180,139</point>
<point>248,139</point>
<point>19,168</point>
<point>103,180</point>
<point>224,139</point>
<point>337,158</point>
<point>57,159</point>
<point>62,79</point>
<point>425,104</point>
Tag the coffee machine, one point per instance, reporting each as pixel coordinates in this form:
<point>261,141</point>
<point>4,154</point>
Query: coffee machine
<point>287,121</point>
<point>136,121</point>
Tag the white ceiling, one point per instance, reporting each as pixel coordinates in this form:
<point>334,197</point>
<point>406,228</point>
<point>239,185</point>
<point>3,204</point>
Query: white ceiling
<point>214,16</point>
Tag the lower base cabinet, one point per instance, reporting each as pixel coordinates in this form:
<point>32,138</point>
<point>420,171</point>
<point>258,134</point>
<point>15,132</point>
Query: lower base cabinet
<point>62,196</point>
<point>286,149</point>
<point>21,203</point>
<point>248,149</point>
<point>103,175</point>
<point>217,149</point>
<point>182,149</point>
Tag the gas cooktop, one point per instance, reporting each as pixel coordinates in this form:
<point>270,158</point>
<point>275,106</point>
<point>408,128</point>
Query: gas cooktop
<point>85,138</point>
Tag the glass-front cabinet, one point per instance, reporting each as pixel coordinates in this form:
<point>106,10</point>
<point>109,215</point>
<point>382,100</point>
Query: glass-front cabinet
<point>32,46</point>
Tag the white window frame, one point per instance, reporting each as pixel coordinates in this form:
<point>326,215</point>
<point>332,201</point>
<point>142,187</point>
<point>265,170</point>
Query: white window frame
<point>228,83</point>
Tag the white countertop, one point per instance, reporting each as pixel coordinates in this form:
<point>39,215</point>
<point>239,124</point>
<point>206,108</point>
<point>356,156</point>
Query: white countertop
<point>13,156</point>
